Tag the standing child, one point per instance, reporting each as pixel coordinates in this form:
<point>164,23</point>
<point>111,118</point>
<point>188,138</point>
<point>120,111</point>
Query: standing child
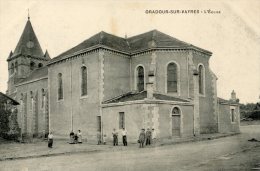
<point>105,139</point>
<point>98,137</point>
<point>153,136</point>
<point>50,140</point>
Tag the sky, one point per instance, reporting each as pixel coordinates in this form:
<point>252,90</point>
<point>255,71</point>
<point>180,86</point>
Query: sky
<point>232,34</point>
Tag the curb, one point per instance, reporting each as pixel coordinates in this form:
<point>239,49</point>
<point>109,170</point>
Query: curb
<point>48,155</point>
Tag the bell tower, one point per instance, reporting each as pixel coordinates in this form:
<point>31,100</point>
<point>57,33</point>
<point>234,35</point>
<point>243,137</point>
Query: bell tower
<point>26,58</point>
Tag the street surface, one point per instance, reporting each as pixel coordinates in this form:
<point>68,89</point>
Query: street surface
<point>229,153</point>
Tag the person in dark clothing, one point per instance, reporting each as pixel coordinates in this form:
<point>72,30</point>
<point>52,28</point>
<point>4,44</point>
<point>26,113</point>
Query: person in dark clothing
<point>148,136</point>
<point>50,140</point>
<point>98,138</point>
<point>141,138</point>
<point>124,134</point>
<point>115,137</point>
<point>72,137</point>
<point>75,138</point>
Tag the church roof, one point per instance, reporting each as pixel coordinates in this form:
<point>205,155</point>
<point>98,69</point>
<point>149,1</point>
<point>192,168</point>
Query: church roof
<point>154,38</point>
<point>36,74</point>
<point>131,45</point>
<point>28,44</point>
<point>133,96</point>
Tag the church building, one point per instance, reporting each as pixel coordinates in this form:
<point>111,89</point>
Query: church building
<point>151,80</point>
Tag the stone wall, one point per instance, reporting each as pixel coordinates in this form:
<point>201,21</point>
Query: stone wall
<point>33,109</point>
<point>225,124</point>
<point>74,111</point>
<point>146,115</point>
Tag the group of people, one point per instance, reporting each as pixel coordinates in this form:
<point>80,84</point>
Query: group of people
<point>75,138</point>
<point>146,137</point>
<point>115,137</point>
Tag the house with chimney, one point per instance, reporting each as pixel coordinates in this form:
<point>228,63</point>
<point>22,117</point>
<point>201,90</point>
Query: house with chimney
<point>151,80</point>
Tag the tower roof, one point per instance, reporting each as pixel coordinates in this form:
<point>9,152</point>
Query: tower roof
<point>28,44</point>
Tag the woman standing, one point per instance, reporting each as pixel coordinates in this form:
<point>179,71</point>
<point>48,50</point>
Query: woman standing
<point>50,140</point>
<point>72,136</point>
<point>79,137</point>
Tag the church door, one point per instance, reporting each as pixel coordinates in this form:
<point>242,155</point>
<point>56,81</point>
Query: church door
<point>176,121</point>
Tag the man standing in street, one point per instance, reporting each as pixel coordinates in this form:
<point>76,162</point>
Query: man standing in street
<point>141,138</point>
<point>124,133</point>
<point>115,138</point>
<point>148,136</point>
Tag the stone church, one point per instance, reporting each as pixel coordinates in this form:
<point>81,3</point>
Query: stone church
<point>151,80</point>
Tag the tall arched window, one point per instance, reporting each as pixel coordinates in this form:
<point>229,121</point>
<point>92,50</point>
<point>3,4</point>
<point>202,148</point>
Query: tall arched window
<point>84,81</point>
<point>172,78</point>
<point>140,78</point>
<point>12,68</point>
<point>201,79</point>
<point>16,66</point>
<point>60,87</point>
<point>43,94</point>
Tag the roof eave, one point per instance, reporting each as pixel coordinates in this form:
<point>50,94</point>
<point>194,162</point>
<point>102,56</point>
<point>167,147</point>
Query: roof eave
<point>84,51</point>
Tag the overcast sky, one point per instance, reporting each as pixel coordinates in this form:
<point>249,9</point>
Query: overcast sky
<point>233,35</point>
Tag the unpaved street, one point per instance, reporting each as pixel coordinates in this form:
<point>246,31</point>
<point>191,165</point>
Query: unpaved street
<point>230,153</point>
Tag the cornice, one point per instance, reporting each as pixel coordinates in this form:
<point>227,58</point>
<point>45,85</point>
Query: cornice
<point>96,48</point>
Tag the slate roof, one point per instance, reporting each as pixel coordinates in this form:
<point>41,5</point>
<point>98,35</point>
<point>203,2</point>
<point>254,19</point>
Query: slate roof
<point>131,45</point>
<point>132,96</point>
<point>36,74</point>
<point>22,47</point>
<point>5,97</point>
<point>154,38</point>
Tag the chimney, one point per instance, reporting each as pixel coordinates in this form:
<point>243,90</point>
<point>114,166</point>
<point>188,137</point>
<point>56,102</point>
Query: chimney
<point>233,96</point>
<point>196,117</point>
<point>150,85</point>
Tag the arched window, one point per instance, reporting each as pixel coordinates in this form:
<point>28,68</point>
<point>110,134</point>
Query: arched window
<point>32,66</point>
<point>84,81</point>
<point>172,78</point>
<point>40,65</point>
<point>43,94</point>
<point>16,66</point>
<point>201,79</point>
<point>140,78</point>
<point>21,97</point>
<point>60,87</point>
<point>12,68</point>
